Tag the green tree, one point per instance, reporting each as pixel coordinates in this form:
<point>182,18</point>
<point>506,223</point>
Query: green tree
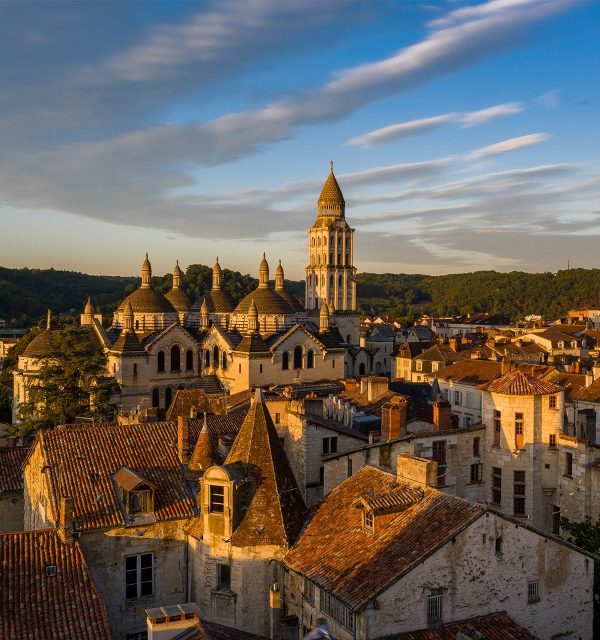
<point>586,535</point>
<point>71,384</point>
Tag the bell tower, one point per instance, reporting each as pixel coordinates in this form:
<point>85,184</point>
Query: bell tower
<point>330,274</point>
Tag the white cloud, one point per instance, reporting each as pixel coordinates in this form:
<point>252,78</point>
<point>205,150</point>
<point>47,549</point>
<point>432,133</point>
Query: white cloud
<point>511,144</point>
<point>491,113</point>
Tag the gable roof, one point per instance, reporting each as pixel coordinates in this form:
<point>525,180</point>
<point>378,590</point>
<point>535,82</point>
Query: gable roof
<point>440,353</point>
<point>591,393</point>
<point>335,552</point>
<point>276,510</point>
<point>185,400</point>
<point>35,605</point>
<point>473,372</point>
<point>11,460</point>
<point>517,383</point>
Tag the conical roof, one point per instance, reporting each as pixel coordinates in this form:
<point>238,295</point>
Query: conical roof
<point>88,310</point>
<point>128,344</point>
<point>203,455</point>
<point>331,194</point>
<point>275,510</point>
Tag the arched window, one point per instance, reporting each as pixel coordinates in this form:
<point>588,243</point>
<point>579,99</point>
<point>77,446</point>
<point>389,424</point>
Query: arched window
<point>137,325</point>
<point>331,280</point>
<point>322,281</point>
<point>340,281</point>
<point>155,398</point>
<point>207,359</point>
<point>114,368</point>
<point>135,369</point>
<point>298,357</point>
<point>175,358</point>
<point>168,397</point>
<point>161,362</point>
<point>215,356</point>
<point>310,359</point>
<point>189,360</point>
<point>361,369</point>
<point>313,242</point>
<point>223,360</point>
<point>285,361</point>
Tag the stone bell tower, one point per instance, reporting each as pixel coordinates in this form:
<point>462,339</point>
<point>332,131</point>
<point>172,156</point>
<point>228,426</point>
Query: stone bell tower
<point>330,274</point>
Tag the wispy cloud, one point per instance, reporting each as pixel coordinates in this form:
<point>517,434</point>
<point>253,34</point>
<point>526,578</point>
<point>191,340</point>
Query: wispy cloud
<point>415,127</point>
<point>512,144</point>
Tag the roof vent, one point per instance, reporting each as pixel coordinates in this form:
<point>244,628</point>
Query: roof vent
<point>51,571</point>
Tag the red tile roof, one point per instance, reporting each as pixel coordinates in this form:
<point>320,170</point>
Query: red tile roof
<point>474,372</point>
<point>590,394</point>
<point>34,606</point>
<point>496,626</point>
<point>276,510</point>
<point>11,476</point>
<point>517,383</point>
<point>354,565</point>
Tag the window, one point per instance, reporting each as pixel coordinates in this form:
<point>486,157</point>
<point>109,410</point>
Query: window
<point>434,608</point>
<point>310,359</point>
<point>321,475</point>
<point>458,397</point>
<point>215,356</point>
<point>336,610</point>
<point>439,455</point>
<point>498,546</point>
<point>223,360</point>
<point>216,499</point>
<point>519,493</point>
<point>497,428</point>
<point>349,467</point>
<point>223,577</point>
<point>207,359</point>
<point>135,369</point>
<point>139,571</point>
<point>435,366</point>
<point>155,398</point>
<point>476,447</point>
<point>309,591</point>
<point>569,464</point>
<point>329,445</point>
<point>239,368</point>
<point>285,361</point>
<point>298,357</point>
<point>533,591</point>
<point>175,358</point>
<point>496,485</point>
<point>368,520</point>
<point>419,365</point>
<point>277,418</point>
<point>519,441</point>
<point>552,402</point>
<point>189,360</point>
<point>260,368</point>
<point>140,501</point>
<point>161,362</point>
<point>476,473</point>
<point>552,439</point>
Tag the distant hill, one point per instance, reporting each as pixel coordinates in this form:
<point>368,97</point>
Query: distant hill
<point>26,294</point>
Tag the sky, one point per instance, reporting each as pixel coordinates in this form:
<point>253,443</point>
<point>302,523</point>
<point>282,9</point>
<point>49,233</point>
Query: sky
<point>464,135</point>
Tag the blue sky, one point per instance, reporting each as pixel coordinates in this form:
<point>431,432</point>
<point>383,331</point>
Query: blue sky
<point>464,134</point>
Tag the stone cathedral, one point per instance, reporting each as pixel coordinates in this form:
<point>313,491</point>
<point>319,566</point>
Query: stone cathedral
<point>159,343</point>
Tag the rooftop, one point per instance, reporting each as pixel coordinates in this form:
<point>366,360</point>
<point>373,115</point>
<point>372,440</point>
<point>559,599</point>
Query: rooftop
<point>11,476</point>
<point>517,383</point>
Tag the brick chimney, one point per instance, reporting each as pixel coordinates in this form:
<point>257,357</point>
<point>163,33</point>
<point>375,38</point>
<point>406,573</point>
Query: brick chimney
<point>577,367</point>
<point>505,367</point>
<point>183,438</point>
<point>65,519</point>
<point>393,419</point>
<point>442,415</point>
<point>453,342</point>
<point>349,384</point>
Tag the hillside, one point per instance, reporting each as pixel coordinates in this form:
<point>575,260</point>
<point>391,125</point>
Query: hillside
<point>25,294</point>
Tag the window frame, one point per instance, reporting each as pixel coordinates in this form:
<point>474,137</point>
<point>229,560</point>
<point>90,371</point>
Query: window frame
<point>216,505</point>
<point>497,485</point>
<point>137,572</point>
<point>533,591</point>
<point>435,605</point>
<point>519,493</point>
<point>223,576</point>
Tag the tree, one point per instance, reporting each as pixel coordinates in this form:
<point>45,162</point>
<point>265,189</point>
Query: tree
<point>71,384</point>
<point>586,535</point>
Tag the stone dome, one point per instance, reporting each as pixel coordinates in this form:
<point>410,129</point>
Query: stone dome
<point>266,300</point>
<point>40,346</point>
<point>216,300</point>
<point>178,299</point>
<point>147,300</point>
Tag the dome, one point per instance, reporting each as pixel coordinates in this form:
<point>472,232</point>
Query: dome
<point>266,300</point>
<point>216,300</point>
<point>41,345</point>
<point>147,300</point>
<point>178,299</point>
<point>292,302</point>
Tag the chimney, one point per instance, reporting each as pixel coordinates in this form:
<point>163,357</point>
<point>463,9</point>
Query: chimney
<point>168,623</point>
<point>376,387</point>
<point>183,438</point>
<point>577,367</point>
<point>442,415</point>
<point>393,419</point>
<point>65,519</point>
<point>417,470</point>
<point>453,342</point>
<point>349,384</point>
<point>374,436</point>
<point>506,367</point>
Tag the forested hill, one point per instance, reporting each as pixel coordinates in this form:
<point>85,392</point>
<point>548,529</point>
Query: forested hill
<point>26,294</point>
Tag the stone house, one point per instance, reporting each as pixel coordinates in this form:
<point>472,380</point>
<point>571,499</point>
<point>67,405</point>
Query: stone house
<point>11,488</point>
<point>387,553</point>
<point>403,358</point>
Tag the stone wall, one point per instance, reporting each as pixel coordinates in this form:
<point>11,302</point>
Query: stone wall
<point>12,506</point>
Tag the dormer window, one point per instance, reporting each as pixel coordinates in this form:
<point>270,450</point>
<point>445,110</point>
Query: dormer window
<point>136,496</point>
<point>139,501</point>
<point>216,498</point>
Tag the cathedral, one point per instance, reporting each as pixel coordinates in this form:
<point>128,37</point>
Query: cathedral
<point>159,343</point>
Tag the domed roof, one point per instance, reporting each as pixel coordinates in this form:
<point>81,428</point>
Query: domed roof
<point>178,299</point>
<point>41,345</point>
<point>147,300</point>
<point>293,303</point>
<point>216,300</point>
<point>331,193</point>
<point>266,300</point>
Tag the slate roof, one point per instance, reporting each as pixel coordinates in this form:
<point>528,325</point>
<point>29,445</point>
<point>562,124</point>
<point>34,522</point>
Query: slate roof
<point>473,372</point>
<point>361,401</point>
<point>253,343</point>
<point>35,606</point>
<point>336,553</point>
<point>276,510</point>
<point>517,383</point>
<point>495,626</point>
<point>11,476</point>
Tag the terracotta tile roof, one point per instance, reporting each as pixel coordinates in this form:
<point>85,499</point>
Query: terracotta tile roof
<point>219,632</point>
<point>591,393</point>
<point>276,510</point>
<point>335,551</point>
<point>474,372</point>
<point>81,461</point>
<point>517,383</point>
<point>11,460</point>
<point>35,606</point>
<point>572,383</point>
<point>185,400</point>
<point>218,427</point>
<point>441,353</point>
<point>362,403</point>
<point>495,626</point>
<point>203,455</point>
<point>412,349</point>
